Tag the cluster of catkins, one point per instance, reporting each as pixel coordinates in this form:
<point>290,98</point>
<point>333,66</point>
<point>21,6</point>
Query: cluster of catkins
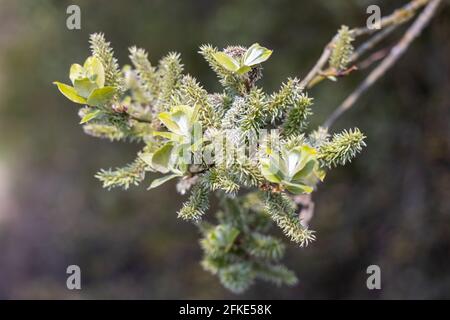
<point>247,147</point>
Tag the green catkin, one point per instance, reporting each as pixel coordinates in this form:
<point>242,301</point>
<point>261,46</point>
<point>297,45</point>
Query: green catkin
<point>125,177</point>
<point>342,148</point>
<point>146,72</point>
<point>342,50</point>
<point>102,50</point>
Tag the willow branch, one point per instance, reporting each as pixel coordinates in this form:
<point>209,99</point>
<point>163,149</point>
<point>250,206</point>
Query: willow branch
<point>319,64</point>
<point>397,17</point>
<point>372,42</point>
<point>387,24</point>
<point>374,57</point>
<point>396,52</point>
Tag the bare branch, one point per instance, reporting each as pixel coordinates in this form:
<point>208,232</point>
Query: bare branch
<point>397,17</point>
<point>372,42</point>
<point>374,57</point>
<point>388,24</point>
<point>395,53</point>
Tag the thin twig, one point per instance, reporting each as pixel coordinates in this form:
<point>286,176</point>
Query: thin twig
<point>398,17</point>
<point>397,51</point>
<point>374,57</point>
<point>319,64</point>
<point>372,42</point>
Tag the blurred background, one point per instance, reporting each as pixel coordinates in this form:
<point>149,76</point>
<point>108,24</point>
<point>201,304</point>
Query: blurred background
<point>390,207</point>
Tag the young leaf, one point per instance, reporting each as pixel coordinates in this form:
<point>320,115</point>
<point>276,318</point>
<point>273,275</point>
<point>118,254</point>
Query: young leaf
<point>70,93</point>
<point>146,157</point>
<point>89,116</point>
<point>226,61</point>
<point>157,182</point>
<point>305,171</point>
<point>297,188</point>
<point>100,96</point>
<point>84,87</point>
<point>230,237</point>
<point>161,158</point>
<point>166,119</point>
<point>95,71</point>
<point>243,69</point>
<point>269,171</point>
<point>168,135</point>
<point>195,113</point>
<point>256,55</point>
<point>76,72</point>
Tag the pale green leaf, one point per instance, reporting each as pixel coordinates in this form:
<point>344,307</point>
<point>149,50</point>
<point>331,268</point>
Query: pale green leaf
<point>305,171</point>
<point>76,72</point>
<point>89,116</point>
<point>195,113</point>
<point>95,70</point>
<point>197,137</point>
<point>320,174</point>
<point>256,55</point>
<point>101,96</point>
<point>166,119</point>
<point>243,69</point>
<point>84,87</point>
<point>231,237</point>
<point>181,118</point>
<point>226,61</point>
<point>161,158</point>
<point>70,93</point>
<point>269,172</point>
<point>297,188</point>
<point>169,135</point>
<point>147,157</point>
<point>157,182</point>
<point>292,159</point>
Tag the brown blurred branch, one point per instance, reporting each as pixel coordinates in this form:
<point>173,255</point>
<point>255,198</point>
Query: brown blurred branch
<point>396,52</point>
<point>319,64</point>
<point>372,42</point>
<point>397,17</point>
<point>374,57</point>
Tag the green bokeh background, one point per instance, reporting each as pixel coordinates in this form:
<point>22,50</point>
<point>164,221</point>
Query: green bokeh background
<point>390,207</point>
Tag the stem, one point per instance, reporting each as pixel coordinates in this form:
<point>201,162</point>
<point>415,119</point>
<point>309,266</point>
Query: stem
<point>398,17</point>
<point>139,119</point>
<point>397,51</point>
<point>372,42</point>
<point>319,64</point>
<point>374,57</point>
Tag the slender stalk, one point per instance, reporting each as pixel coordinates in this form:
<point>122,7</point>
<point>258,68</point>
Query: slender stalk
<point>397,17</point>
<point>319,64</point>
<point>388,24</point>
<point>372,42</point>
<point>396,52</point>
<point>374,57</point>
